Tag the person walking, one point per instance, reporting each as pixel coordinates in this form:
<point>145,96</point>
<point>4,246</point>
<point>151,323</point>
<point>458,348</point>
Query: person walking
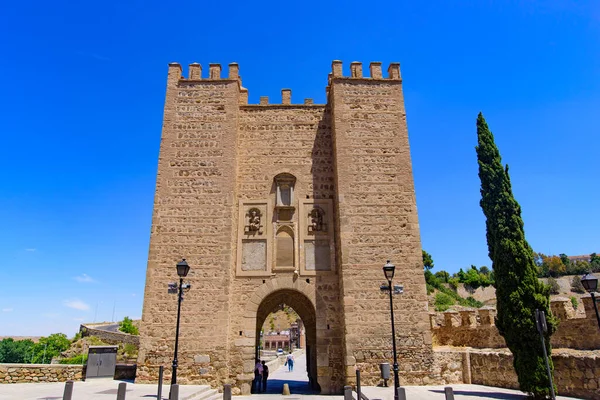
<point>257,382</point>
<point>265,376</point>
<point>290,362</point>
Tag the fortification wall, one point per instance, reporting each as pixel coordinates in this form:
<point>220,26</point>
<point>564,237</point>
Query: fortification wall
<point>475,328</point>
<point>223,200</point>
<point>109,337</point>
<point>576,373</point>
<point>377,220</point>
<point>193,217</point>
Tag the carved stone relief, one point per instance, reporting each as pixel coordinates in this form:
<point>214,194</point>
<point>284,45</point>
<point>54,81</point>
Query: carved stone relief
<point>254,249</point>
<point>316,221</point>
<point>253,217</point>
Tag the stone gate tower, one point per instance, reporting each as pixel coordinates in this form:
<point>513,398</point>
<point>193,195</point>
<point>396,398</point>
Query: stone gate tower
<point>289,203</point>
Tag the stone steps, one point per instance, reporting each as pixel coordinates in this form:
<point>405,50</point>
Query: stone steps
<point>205,393</point>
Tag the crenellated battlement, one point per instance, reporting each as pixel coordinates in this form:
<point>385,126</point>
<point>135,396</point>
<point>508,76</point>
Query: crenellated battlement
<point>195,74</point>
<point>356,71</point>
<point>476,328</point>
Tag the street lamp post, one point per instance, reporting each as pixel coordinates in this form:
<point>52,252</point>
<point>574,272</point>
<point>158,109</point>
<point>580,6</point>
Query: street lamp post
<point>182,270</point>
<point>388,270</point>
<point>590,283</point>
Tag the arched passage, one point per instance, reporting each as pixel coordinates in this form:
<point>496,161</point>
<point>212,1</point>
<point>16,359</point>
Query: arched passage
<point>306,311</point>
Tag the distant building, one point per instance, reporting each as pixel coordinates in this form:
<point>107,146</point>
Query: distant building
<point>584,257</point>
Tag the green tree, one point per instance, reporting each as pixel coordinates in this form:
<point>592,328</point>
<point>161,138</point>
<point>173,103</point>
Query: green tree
<point>555,266</point>
<point>49,347</point>
<point>472,279</point>
<point>16,351</point>
<point>595,262</point>
<point>443,276</point>
<point>565,260</point>
<point>127,326</point>
<point>519,292</point>
<point>427,260</point>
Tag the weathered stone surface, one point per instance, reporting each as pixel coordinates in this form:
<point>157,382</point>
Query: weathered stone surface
<point>350,160</point>
<point>476,328</point>
<point>24,373</point>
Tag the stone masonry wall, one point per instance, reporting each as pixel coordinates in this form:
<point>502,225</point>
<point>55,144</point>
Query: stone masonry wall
<point>377,221</point>
<point>192,218</point>
<point>475,328</point>
<point>27,373</point>
<point>276,138</point>
<point>110,337</point>
<point>30,373</point>
<point>219,154</point>
<point>576,373</point>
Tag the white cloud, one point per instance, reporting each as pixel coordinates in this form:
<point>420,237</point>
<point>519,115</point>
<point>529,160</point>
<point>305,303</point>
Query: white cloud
<point>84,278</point>
<point>31,250</point>
<point>76,304</point>
<point>8,309</point>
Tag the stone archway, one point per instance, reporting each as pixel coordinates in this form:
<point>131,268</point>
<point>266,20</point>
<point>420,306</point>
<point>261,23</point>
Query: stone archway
<point>306,311</point>
<point>302,297</point>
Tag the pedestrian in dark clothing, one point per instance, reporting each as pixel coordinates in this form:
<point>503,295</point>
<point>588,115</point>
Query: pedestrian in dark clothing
<point>256,383</point>
<point>265,376</point>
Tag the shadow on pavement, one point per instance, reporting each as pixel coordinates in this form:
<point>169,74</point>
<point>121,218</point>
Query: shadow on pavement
<point>503,396</point>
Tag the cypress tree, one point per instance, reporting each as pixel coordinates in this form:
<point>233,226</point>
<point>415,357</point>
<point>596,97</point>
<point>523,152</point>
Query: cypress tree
<point>518,291</point>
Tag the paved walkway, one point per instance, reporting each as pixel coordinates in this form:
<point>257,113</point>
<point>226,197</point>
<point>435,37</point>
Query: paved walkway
<point>297,380</point>
<point>299,389</point>
<point>96,389</point>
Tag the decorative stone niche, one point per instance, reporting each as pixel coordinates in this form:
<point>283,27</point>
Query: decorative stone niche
<point>317,252</point>
<point>254,239</point>
<point>285,253</point>
<point>284,203</point>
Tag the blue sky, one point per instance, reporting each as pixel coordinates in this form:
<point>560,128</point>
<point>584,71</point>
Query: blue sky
<point>83,87</point>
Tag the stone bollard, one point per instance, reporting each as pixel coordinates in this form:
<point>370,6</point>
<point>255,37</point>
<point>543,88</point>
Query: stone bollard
<point>174,392</point>
<point>121,391</point>
<point>449,393</point>
<point>68,393</point>
<point>227,392</point>
<point>401,393</point>
<point>348,393</point>
<point>286,389</point>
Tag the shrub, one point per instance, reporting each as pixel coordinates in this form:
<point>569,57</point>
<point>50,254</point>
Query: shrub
<point>430,289</point>
<point>554,287</point>
<point>453,282</point>
<point>78,359</point>
<point>127,326</point>
<point>471,302</point>
<point>76,337</point>
<point>443,302</point>
<point>574,302</point>
<point>576,285</point>
<point>130,350</point>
